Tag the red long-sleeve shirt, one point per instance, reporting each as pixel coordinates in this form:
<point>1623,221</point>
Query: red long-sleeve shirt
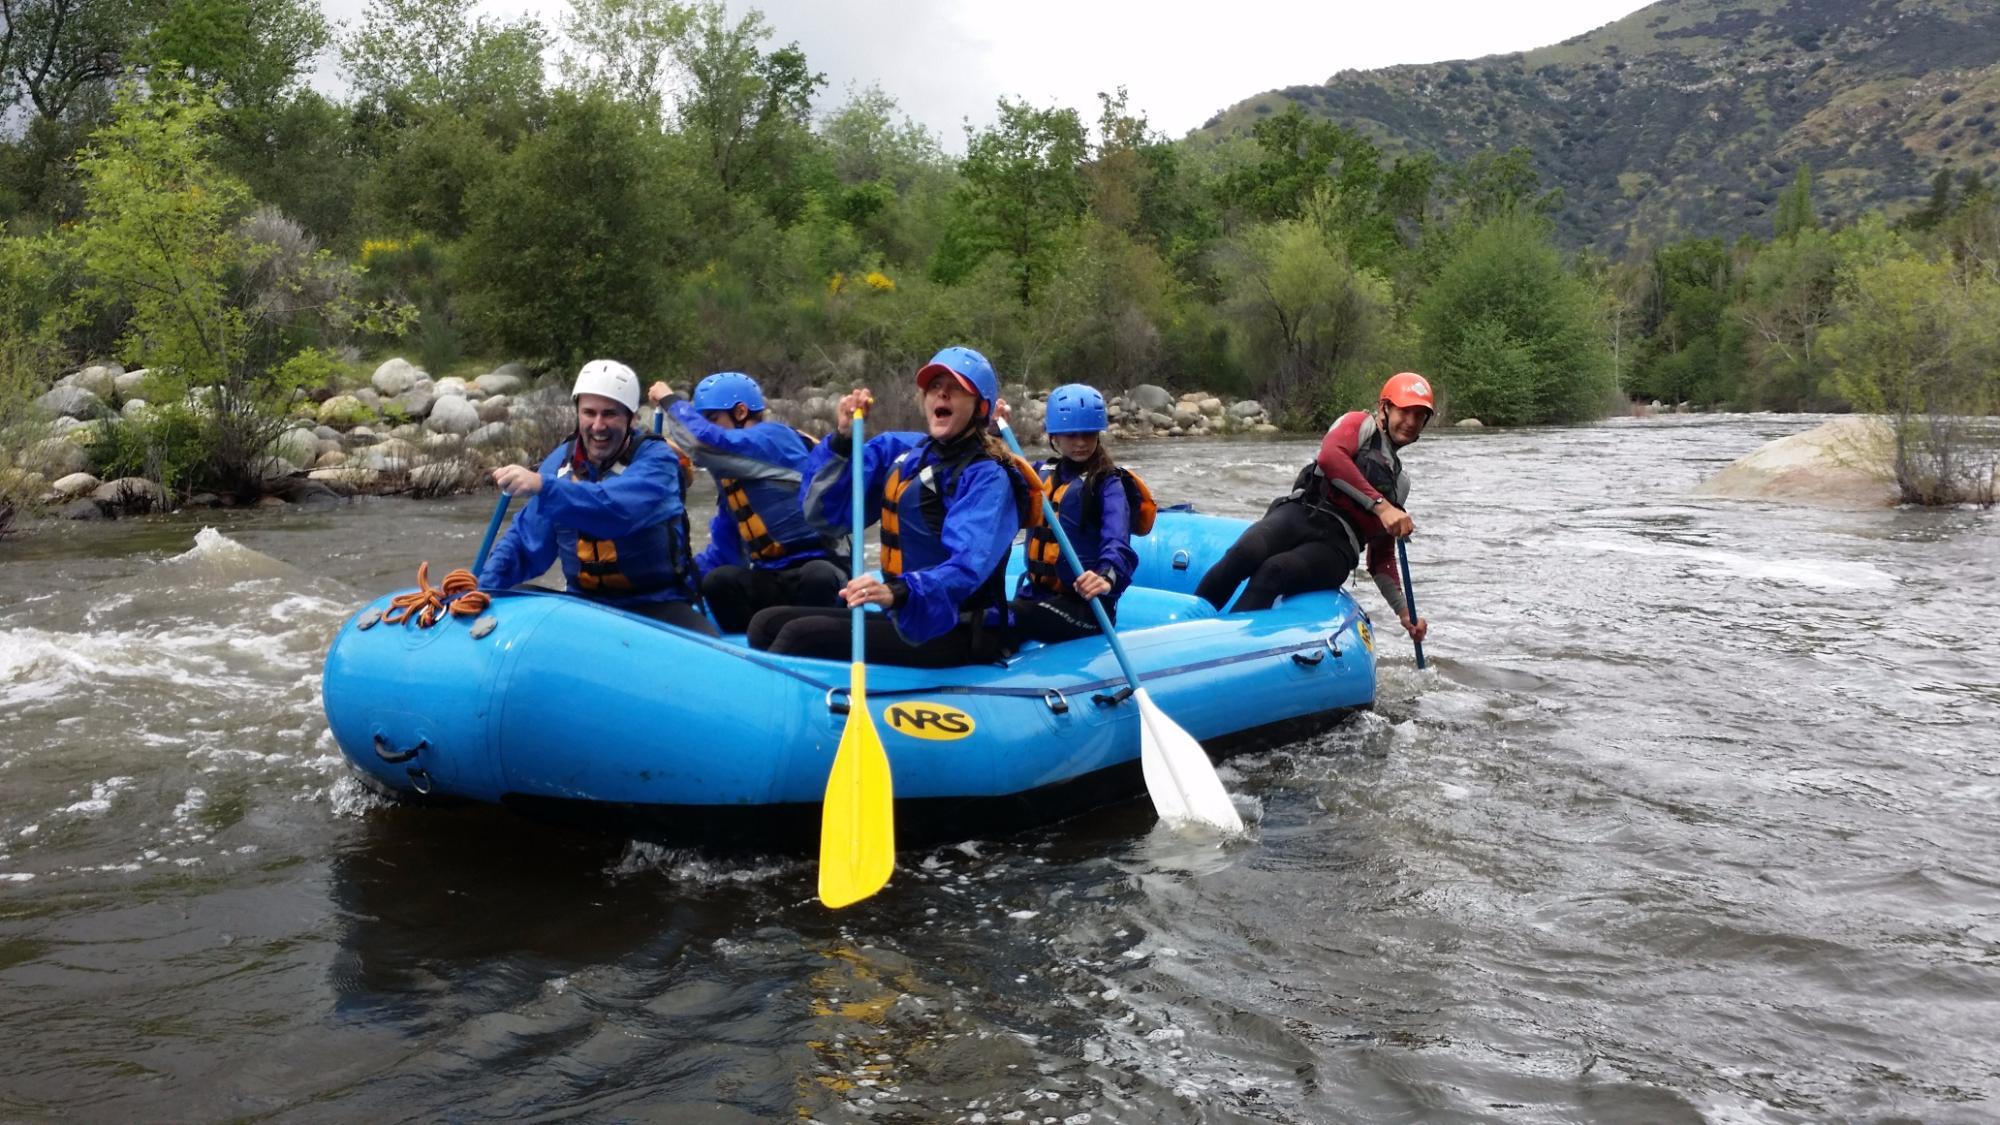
<point>1350,491</point>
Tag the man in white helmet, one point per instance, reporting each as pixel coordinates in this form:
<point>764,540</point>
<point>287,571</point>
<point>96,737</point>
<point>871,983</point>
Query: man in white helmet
<point>607,503</point>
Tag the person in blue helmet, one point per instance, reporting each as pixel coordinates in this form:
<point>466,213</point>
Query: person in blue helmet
<point>607,503</point>
<point>761,551</point>
<point>1098,503</point>
<point>949,500</point>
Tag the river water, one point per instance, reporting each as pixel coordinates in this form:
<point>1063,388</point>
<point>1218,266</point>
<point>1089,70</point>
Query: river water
<point>1695,816</point>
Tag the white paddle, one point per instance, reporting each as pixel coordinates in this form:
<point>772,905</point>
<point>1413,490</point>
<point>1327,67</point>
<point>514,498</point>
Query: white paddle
<point>1179,777</point>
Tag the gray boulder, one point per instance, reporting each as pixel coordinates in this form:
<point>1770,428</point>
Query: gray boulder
<point>1149,399</point>
<point>449,385</point>
<point>85,509</point>
<point>510,379</point>
<point>395,376</point>
<point>131,494</point>
<point>490,436</point>
<point>127,385</point>
<point>1469,424</point>
<point>442,445</point>
<point>415,403</point>
<point>494,409</point>
<point>55,458</point>
<point>134,409</point>
<point>1246,409</point>
<point>452,415</point>
<point>299,446</point>
<point>71,402</point>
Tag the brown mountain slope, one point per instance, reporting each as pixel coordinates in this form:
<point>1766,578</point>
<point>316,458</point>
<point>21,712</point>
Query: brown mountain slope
<point>1690,116</point>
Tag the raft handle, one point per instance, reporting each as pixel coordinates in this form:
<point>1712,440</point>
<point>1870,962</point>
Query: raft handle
<point>1308,660</point>
<point>1182,559</point>
<point>388,753</point>
<point>1113,699</point>
<point>420,780</point>
<point>1333,644</point>
<point>1056,702</point>
<point>837,708</point>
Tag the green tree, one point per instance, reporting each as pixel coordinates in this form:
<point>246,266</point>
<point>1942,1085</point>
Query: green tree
<point>255,50</point>
<point>1024,189</point>
<point>626,47</point>
<point>746,112</point>
<point>437,52</point>
<point>1920,342</point>
<point>1302,311</point>
<point>1512,336</point>
<point>1788,299</point>
<point>216,305</point>
<point>572,244</point>
<point>1692,343</point>
<point>1795,207</point>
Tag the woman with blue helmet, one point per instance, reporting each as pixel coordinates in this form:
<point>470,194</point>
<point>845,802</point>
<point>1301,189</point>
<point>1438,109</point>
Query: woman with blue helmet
<point>1094,498</point>
<point>949,501</point>
<point>761,551</point>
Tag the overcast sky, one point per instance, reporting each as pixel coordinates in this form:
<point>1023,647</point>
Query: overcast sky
<point>946,61</point>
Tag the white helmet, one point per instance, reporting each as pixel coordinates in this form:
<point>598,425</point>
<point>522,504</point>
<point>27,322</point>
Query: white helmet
<point>609,378</point>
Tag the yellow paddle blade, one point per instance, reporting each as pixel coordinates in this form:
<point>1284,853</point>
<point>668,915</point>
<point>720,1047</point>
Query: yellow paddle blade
<point>857,828</point>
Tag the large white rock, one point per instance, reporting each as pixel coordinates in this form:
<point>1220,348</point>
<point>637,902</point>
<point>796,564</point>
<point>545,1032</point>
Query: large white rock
<point>1845,463</point>
<point>1246,409</point>
<point>99,379</point>
<point>75,485</point>
<point>127,385</point>
<point>449,385</point>
<point>452,415</point>
<point>395,376</point>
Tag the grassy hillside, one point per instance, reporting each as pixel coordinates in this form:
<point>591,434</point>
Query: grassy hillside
<point>1690,116</point>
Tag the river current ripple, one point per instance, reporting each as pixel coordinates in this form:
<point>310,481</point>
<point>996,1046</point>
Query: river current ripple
<point>1695,816</point>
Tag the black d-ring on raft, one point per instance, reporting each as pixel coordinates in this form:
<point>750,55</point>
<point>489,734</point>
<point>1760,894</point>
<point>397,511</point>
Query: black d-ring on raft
<point>389,753</point>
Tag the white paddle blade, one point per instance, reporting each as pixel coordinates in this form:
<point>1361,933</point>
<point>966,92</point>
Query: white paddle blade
<point>1179,775</point>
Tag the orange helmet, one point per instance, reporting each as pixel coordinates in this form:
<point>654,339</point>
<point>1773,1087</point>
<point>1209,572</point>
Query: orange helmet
<point>1407,389</point>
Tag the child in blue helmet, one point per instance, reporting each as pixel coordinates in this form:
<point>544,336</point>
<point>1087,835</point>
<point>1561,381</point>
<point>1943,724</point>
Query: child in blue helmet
<point>761,551</point>
<point>1091,498</point>
<point>949,501</point>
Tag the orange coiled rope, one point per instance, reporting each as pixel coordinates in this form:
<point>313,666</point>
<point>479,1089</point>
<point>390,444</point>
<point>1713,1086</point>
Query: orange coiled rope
<point>460,594</point>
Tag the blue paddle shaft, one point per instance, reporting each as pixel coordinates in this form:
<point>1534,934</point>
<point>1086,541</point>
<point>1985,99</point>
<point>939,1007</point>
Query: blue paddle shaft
<point>855,521</point>
<point>1050,514</point>
<point>492,529</point>
<point>1409,591</point>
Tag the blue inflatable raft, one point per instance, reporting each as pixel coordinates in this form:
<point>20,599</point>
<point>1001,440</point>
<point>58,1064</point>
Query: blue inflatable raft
<point>564,709</point>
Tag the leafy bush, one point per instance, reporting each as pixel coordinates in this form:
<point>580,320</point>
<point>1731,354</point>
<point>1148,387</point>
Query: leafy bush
<point>171,444</point>
<point>1510,335</point>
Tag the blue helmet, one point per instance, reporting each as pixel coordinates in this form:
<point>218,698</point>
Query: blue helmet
<point>724,389</point>
<point>973,370</point>
<point>1076,409</point>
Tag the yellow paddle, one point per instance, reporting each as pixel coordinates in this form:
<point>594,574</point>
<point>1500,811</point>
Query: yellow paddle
<point>857,826</point>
